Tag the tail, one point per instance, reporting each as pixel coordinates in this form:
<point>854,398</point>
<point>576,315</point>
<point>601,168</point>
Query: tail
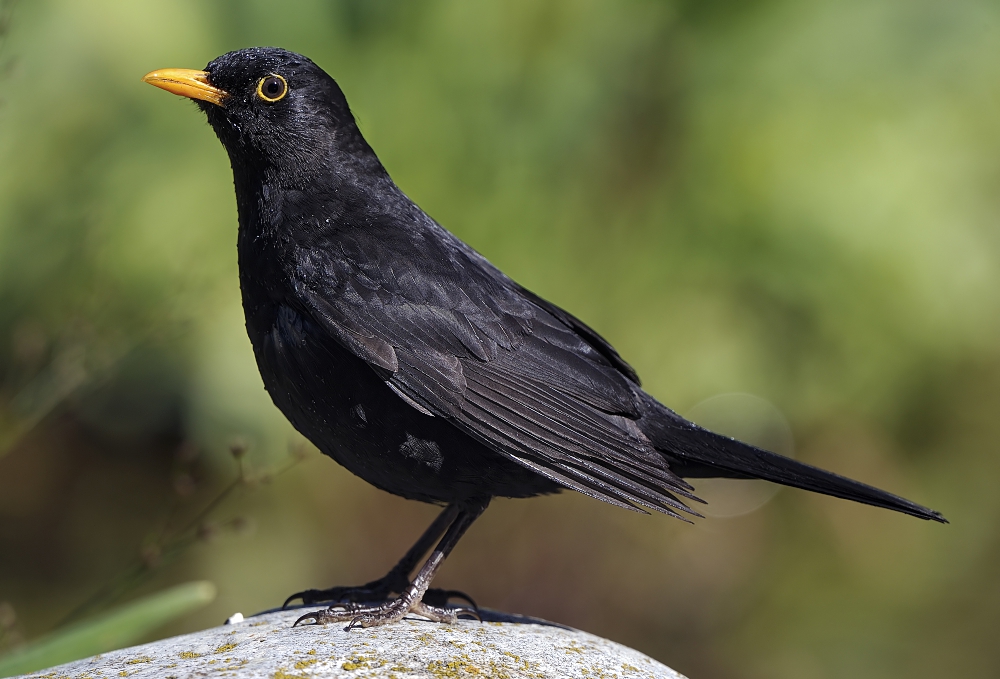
<point>694,452</point>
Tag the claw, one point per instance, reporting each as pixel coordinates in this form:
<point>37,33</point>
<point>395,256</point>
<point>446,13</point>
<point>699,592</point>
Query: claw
<point>308,596</point>
<point>471,612</point>
<point>335,613</point>
<point>440,597</point>
<point>314,616</point>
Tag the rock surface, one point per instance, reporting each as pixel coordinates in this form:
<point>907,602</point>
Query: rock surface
<point>268,646</point>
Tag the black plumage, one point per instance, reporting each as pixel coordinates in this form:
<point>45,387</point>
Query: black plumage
<point>407,357</point>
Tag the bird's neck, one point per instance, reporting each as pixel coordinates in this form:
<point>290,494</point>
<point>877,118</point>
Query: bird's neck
<point>275,195</point>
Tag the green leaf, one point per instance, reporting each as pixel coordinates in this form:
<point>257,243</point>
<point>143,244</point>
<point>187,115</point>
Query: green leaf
<point>115,629</point>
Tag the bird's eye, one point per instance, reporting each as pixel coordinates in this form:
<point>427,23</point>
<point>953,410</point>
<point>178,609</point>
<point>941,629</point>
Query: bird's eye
<point>272,88</point>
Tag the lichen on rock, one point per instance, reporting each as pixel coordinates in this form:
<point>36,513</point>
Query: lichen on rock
<point>268,647</point>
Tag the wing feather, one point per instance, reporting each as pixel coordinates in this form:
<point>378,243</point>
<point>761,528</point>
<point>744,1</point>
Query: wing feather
<point>457,339</point>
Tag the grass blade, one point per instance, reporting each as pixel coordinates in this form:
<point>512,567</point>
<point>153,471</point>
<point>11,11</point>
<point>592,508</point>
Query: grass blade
<point>109,631</point>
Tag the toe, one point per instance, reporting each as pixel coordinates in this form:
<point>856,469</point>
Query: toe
<point>314,617</point>
<point>435,613</point>
<point>441,597</point>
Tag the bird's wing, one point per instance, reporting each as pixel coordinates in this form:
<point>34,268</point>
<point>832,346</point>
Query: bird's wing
<point>457,339</point>
<point>588,334</point>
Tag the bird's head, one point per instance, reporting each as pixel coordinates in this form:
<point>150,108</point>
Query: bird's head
<point>270,108</point>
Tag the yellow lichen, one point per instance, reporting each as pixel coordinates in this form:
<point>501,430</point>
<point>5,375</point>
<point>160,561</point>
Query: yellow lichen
<point>463,666</point>
<point>187,655</point>
<point>140,659</point>
<point>282,674</point>
<point>225,648</point>
<point>362,662</point>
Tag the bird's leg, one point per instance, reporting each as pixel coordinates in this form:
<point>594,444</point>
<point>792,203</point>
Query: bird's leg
<point>397,579</point>
<point>410,600</point>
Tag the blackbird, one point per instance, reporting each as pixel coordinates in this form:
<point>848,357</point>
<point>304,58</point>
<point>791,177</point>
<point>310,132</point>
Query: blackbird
<point>407,357</point>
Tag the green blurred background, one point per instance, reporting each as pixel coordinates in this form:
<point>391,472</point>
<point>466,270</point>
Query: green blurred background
<point>797,201</point>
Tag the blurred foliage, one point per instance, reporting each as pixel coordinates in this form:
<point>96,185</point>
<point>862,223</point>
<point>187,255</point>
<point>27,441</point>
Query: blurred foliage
<point>796,200</point>
<point>117,629</point>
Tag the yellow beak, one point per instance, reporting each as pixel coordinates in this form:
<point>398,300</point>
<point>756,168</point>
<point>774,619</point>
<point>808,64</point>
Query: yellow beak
<point>186,83</point>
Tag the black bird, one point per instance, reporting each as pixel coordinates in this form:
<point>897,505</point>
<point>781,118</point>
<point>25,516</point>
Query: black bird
<point>407,357</point>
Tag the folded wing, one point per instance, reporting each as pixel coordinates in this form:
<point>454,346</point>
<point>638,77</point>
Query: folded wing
<point>459,340</point>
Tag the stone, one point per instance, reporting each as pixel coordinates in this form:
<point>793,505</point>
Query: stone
<point>267,646</point>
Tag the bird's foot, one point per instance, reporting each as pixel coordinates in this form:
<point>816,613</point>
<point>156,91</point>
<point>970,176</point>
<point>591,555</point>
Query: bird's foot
<point>439,598</point>
<point>377,590</point>
<point>358,615</point>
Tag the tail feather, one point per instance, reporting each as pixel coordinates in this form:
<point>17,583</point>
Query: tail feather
<point>693,451</point>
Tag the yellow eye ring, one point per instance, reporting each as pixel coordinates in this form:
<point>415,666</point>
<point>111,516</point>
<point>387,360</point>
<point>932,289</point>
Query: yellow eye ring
<point>272,88</point>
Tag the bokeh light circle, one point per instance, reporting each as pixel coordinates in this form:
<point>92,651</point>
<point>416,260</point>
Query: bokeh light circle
<point>751,419</point>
